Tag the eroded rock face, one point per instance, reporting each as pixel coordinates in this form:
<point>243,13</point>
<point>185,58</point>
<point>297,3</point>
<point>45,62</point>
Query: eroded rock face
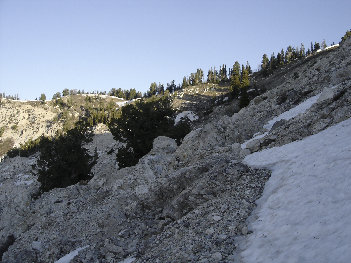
<point>182,203</point>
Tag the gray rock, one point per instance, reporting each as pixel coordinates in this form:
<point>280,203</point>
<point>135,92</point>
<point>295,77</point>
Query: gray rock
<point>36,245</point>
<point>217,256</point>
<point>244,230</point>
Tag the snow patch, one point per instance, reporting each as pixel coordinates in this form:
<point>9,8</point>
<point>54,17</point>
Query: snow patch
<point>191,116</point>
<point>304,214</point>
<point>121,103</point>
<point>287,115</point>
<point>299,109</point>
<point>332,46</point>
<point>67,258</point>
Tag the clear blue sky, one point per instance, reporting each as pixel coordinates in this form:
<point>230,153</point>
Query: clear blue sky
<point>49,45</point>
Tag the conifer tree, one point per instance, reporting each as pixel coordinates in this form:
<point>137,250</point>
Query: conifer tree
<point>316,46</point>
<point>245,81</point>
<point>132,94</point>
<point>153,89</point>
<point>223,73</point>
<point>65,92</point>
<point>185,83</point>
<point>57,95</point>
<point>42,97</point>
<point>346,36</point>
<point>210,76</point>
<point>140,123</point>
<point>248,67</point>
<point>302,51</point>
<point>265,62</point>
<point>120,93</point>
<point>235,79</point>
<point>215,75</point>
<point>282,57</point>
<point>272,63</point>
<point>64,161</point>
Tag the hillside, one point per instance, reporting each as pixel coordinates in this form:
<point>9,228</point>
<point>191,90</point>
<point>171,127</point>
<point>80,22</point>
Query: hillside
<point>214,197</point>
<point>22,121</point>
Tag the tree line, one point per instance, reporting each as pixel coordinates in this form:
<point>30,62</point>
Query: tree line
<point>10,97</point>
<point>273,62</point>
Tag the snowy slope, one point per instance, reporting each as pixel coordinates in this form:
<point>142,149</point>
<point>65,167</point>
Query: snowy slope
<point>304,214</point>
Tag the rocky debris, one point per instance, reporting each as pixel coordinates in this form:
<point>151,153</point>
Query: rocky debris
<point>200,99</point>
<point>207,215</point>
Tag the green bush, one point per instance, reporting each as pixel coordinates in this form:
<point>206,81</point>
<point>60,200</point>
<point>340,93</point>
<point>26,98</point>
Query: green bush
<point>244,98</point>
<point>140,123</point>
<point>2,130</point>
<point>63,161</point>
<point>346,36</point>
<point>6,145</point>
<point>25,150</point>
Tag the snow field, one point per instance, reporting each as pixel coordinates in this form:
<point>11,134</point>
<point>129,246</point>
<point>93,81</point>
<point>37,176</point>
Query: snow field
<point>304,214</point>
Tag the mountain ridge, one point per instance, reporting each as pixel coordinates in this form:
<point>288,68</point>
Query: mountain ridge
<point>186,203</point>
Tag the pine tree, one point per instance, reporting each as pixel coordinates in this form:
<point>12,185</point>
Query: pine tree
<point>140,123</point>
<point>65,92</point>
<point>42,97</point>
<point>132,94</point>
<point>316,46</point>
<point>282,57</point>
<point>64,161</point>
<point>215,75</point>
<point>210,76</point>
<point>346,36</point>
<point>302,51</point>
<point>272,63</point>
<point>223,74</point>
<point>235,79</point>
<point>265,62</point>
<point>248,67</point>
<point>185,83</point>
<point>57,95</point>
<point>153,89</point>
<point>120,93</point>
<point>244,98</point>
<point>245,81</point>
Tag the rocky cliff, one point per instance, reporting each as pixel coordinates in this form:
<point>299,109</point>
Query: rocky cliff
<point>187,203</point>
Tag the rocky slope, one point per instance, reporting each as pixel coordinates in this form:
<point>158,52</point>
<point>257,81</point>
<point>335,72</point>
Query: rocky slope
<point>186,203</point>
<point>26,120</point>
<point>22,121</point>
